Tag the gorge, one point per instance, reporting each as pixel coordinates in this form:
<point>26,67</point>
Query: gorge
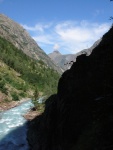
<point>78,117</point>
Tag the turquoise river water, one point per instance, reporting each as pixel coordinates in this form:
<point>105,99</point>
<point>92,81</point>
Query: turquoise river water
<point>13,128</point>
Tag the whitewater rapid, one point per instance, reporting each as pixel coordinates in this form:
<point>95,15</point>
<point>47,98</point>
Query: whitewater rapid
<point>13,128</point>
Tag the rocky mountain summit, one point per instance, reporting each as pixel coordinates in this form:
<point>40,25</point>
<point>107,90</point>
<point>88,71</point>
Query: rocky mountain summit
<point>80,115</point>
<point>19,37</point>
<point>66,61</point>
<point>54,55</point>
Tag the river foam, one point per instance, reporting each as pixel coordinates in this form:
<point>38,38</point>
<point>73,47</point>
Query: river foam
<point>13,128</point>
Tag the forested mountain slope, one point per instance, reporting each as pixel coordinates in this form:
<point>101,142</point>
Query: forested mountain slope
<point>20,38</point>
<point>21,74</point>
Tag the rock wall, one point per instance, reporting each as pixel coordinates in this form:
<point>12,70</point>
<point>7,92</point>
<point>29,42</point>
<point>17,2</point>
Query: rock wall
<point>80,115</point>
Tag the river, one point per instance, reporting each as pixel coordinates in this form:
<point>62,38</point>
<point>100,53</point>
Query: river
<point>13,128</point>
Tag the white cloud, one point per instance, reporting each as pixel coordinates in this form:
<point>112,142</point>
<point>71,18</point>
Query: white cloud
<point>38,27</point>
<point>81,35</point>
<point>56,47</point>
<point>68,36</point>
<point>45,39</point>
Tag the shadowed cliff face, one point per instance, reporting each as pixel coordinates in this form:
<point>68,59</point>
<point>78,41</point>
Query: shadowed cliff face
<point>80,115</point>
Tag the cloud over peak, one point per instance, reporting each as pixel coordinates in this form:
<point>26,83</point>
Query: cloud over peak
<point>68,36</point>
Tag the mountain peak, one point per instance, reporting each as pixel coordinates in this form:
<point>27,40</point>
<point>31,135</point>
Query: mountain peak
<point>54,54</point>
<point>57,52</point>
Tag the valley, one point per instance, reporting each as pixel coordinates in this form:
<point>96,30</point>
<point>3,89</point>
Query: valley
<point>54,101</point>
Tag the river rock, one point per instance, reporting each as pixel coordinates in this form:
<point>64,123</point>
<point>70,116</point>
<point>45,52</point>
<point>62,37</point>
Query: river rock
<point>80,115</point>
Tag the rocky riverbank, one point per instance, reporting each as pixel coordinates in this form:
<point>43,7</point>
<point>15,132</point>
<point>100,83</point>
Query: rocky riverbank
<point>34,112</point>
<point>31,114</point>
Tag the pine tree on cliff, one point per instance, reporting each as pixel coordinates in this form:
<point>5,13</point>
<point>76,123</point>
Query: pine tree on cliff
<point>36,94</point>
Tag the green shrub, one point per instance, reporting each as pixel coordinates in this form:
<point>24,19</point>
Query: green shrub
<point>6,100</point>
<point>2,84</point>
<point>15,97</point>
<point>22,94</point>
<point>3,89</point>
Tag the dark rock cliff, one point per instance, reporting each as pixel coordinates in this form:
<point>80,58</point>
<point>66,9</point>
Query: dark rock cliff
<point>80,115</point>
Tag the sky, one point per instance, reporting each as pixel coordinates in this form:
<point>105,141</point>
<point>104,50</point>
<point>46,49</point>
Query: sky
<point>65,25</point>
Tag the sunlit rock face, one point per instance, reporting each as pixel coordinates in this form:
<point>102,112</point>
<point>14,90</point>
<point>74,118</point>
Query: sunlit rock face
<point>80,115</point>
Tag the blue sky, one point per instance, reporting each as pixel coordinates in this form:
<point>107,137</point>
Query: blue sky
<point>65,25</point>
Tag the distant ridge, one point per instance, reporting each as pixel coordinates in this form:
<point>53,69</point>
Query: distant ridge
<point>65,61</point>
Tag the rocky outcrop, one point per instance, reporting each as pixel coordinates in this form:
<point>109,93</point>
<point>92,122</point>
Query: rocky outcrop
<point>80,115</point>
<point>20,38</point>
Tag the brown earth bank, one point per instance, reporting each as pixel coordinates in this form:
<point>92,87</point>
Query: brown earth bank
<point>34,112</point>
<point>31,114</point>
<point>80,115</point>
